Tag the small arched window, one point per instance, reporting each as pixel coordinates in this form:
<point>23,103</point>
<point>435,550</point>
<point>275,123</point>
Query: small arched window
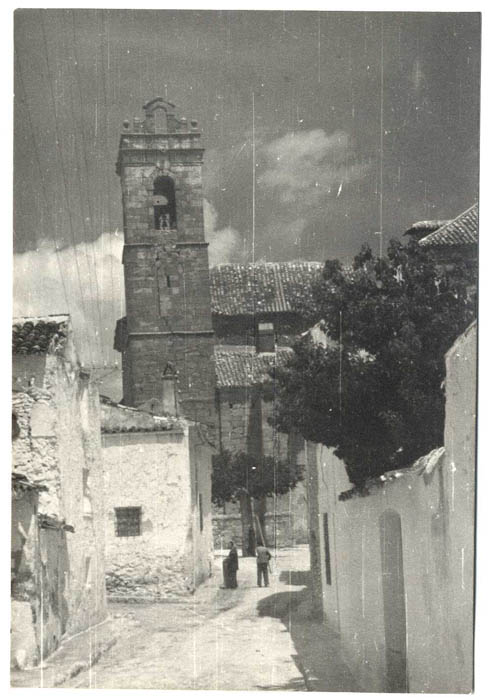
<point>164,203</point>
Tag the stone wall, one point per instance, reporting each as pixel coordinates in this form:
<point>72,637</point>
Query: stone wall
<point>25,575</point>
<point>282,530</point>
<point>396,559</point>
<point>167,475</point>
<point>195,385</point>
<point>244,426</point>
<point>59,447</point>
<point>40,569</point>
<point>242,330</point>
<point>243,420</point>
<point>138,172</point>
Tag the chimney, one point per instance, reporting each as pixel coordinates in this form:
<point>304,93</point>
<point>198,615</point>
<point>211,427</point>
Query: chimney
<point>170,404</point>
<point>265,340</point>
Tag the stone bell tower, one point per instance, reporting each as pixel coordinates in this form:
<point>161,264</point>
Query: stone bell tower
<point>167,288</point>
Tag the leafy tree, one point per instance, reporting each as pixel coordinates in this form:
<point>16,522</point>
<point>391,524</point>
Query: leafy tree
<point>375,394</point>
<point>241,477</point>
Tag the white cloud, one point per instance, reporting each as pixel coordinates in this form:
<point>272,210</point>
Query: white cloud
<point>38,290</point>
<point>87,281</point>
<point>225,244</point>
<point>305,168</point>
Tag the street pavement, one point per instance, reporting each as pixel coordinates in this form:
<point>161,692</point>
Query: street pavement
<point>216,640</point>
<point>249,638</point>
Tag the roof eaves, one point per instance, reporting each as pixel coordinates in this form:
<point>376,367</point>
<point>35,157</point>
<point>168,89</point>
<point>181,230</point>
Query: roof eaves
<point>447,234</point>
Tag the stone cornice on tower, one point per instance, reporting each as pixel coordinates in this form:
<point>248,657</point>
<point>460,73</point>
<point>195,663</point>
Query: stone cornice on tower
<point>159,131</point>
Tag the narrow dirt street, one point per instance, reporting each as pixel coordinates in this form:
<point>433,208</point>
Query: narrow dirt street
<point>217,640</point>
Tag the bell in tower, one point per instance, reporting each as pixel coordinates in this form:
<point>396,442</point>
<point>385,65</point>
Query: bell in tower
<point>164,203</point>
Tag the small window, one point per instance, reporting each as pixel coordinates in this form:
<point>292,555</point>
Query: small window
<point>128,522</point>
<point>172,281</point>
<point>265,337</point>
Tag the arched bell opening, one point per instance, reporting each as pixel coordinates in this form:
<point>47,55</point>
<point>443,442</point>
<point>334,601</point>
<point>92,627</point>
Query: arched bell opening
<point>164,203</point>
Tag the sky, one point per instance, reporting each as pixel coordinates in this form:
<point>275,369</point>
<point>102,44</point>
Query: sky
<point>363,122</point>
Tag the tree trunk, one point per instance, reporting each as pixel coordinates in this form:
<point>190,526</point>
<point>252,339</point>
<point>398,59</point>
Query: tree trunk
<point>247,521</point>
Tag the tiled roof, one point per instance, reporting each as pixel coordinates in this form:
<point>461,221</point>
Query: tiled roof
<point>262,287</point>
<point>422,228</point>
<point>423,466</point>
<point>460,231</point>
<point>123,419</point>
<point>33,335</point>
<point>241,366</point>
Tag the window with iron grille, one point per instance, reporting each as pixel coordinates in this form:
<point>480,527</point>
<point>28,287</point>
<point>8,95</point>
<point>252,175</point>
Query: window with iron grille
<point>127,522</point>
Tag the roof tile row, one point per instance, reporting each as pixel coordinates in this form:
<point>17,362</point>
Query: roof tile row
<point>32,336</point>
<point>241,366</point>
<point>257,288</point>
<point>460,231</point>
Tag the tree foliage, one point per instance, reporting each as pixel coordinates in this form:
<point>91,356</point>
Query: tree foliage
<point>235,473</point>
<point>375,394</point>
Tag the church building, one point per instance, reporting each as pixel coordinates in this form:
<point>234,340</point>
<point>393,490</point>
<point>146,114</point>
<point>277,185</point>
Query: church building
<point>168,321</point>
<point>158,472</point>
<point>177,309</point>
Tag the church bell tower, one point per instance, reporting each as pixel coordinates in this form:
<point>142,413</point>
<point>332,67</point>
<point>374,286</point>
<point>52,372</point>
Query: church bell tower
<point>168,327</point>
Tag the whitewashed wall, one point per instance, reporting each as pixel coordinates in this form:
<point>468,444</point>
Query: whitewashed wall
<point>163,473</point>
<point>434,501</point>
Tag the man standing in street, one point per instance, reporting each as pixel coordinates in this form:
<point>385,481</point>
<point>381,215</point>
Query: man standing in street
<point>262,559</point>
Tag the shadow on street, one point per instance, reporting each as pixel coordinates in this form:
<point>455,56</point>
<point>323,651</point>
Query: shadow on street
<point>296,578</point>
<point>318,647</point>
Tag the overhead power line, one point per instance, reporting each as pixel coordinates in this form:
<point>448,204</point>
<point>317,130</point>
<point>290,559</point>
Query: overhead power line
<point>104,36</point>
<point>41,174</point>
<point>86,195</point>
<point>63,173</point>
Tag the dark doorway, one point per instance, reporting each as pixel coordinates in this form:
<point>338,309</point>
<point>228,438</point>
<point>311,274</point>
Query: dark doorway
<point>393,602</point>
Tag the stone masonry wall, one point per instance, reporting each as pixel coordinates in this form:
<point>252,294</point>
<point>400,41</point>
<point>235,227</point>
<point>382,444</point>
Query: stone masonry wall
<point>138,172</point>
<point>196,373</point>
<point>241,330</point>
<point>166,275</point>
<point>167,287</point>
<point>281,530</point>
<point>236,409</point>
<point>25,576</point>
<point>59,447</point>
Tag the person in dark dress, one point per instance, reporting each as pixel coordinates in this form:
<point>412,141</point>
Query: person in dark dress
<point>231,566</point>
